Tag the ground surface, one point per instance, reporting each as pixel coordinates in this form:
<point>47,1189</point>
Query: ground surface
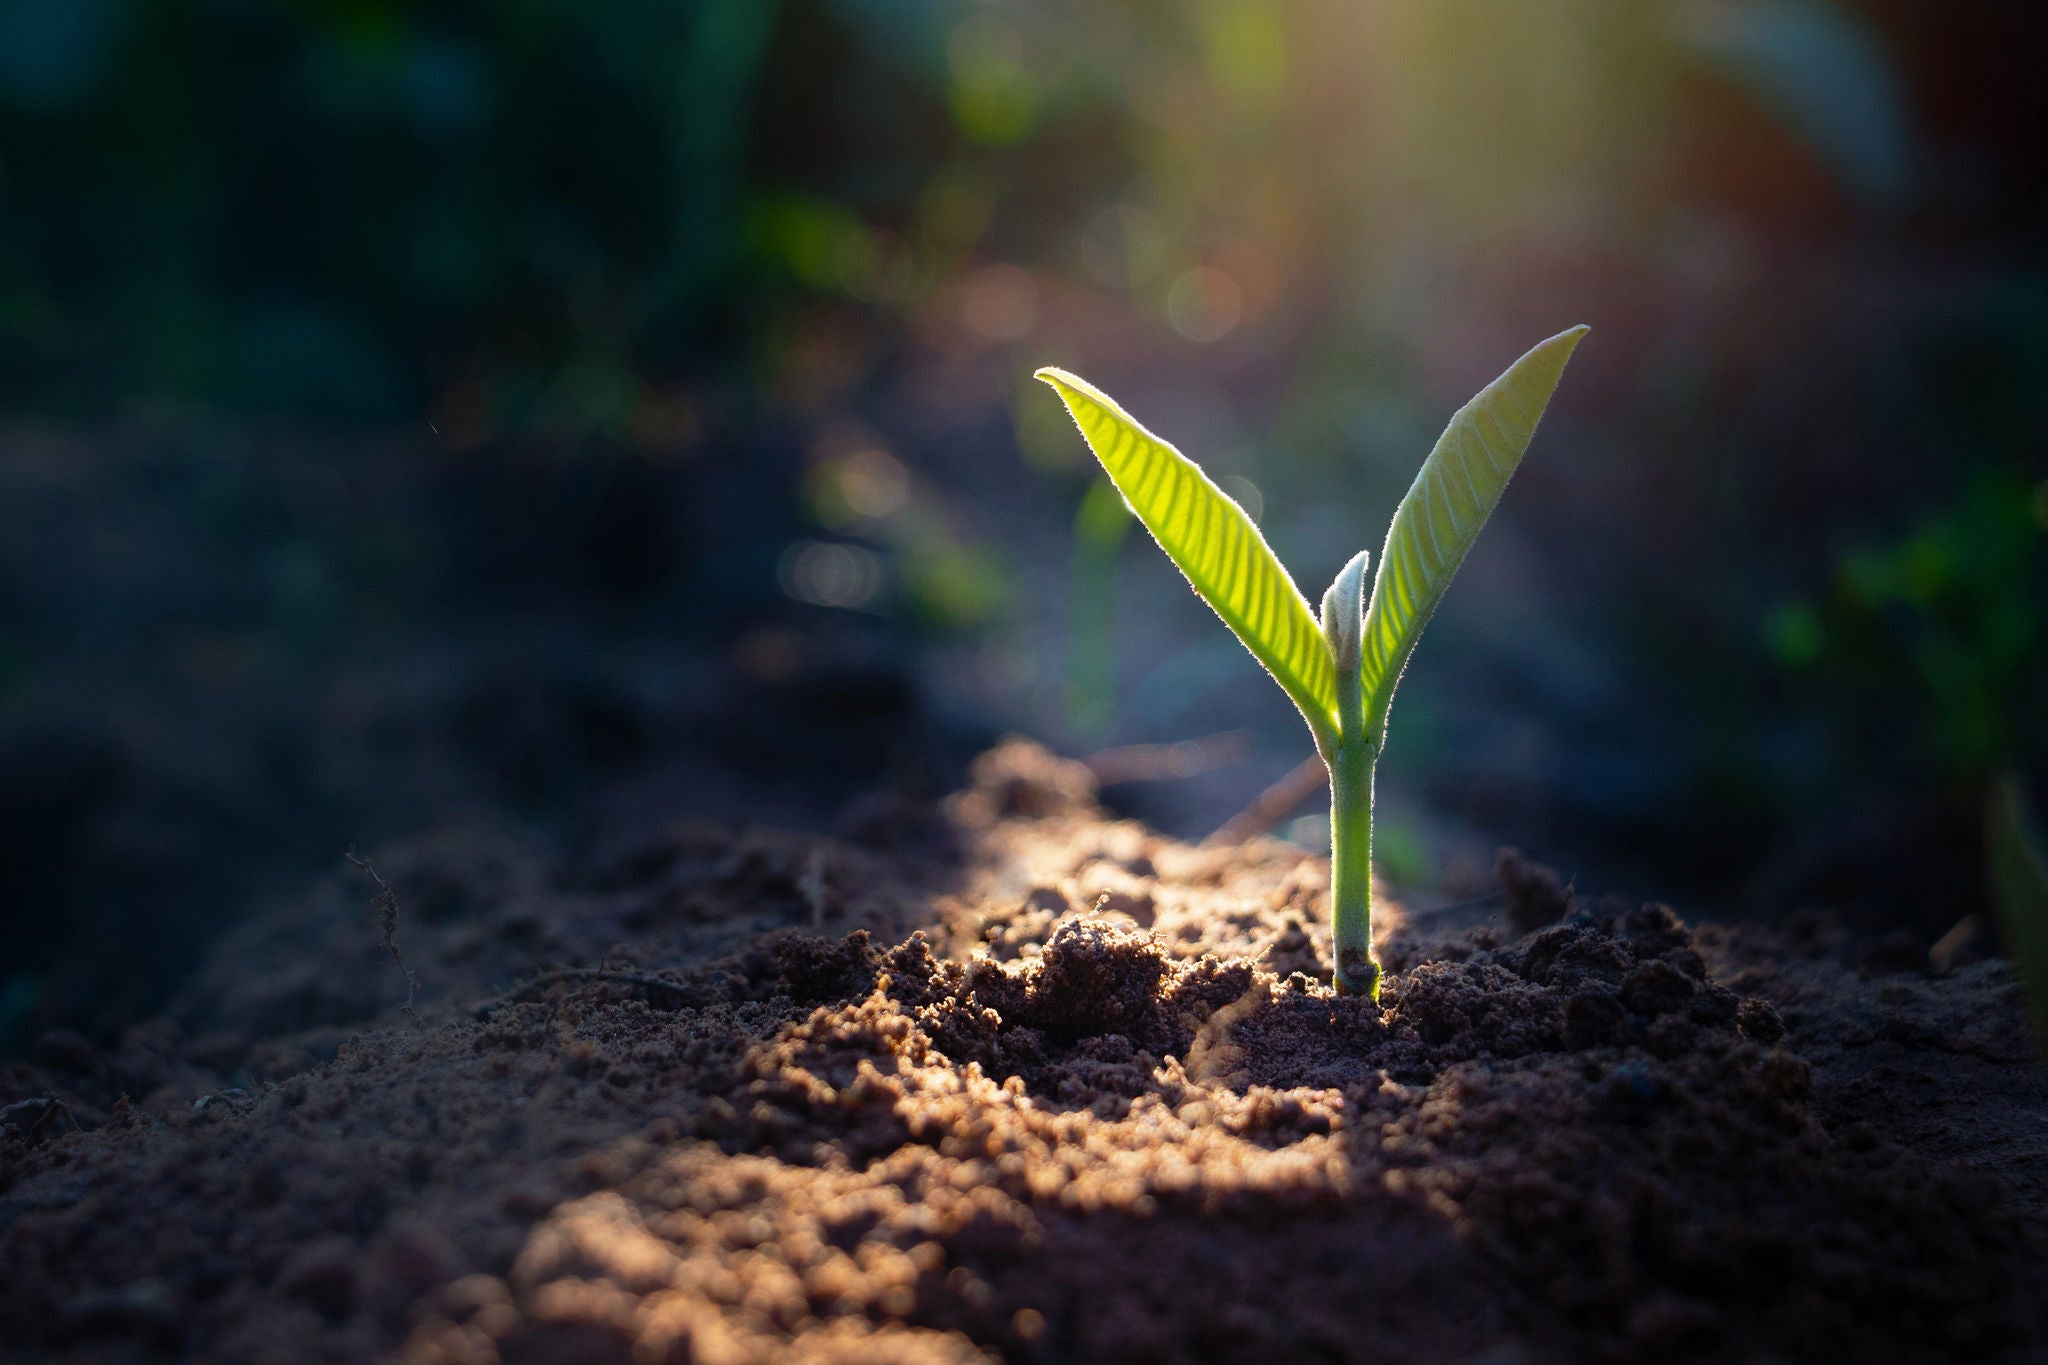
<point>1014,1081</point>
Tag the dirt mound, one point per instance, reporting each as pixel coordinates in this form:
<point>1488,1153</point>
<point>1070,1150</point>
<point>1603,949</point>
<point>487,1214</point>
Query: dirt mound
<point>1047,1088</point>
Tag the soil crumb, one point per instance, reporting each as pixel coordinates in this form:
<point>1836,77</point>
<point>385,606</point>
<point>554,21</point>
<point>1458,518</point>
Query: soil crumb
<point>1024,1084</point>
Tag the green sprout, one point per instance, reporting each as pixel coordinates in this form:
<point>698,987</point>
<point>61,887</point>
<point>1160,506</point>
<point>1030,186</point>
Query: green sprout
<point>1340,672</point>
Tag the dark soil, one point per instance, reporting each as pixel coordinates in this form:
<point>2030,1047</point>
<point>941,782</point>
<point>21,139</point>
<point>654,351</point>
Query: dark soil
<point>1023,1083</point>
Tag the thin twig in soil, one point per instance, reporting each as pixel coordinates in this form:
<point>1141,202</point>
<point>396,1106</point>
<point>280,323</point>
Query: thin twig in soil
<point>1446,909</point>
<point>385,902</point>
<point>527,989</point>
<point>1168,762</point>
<point>1274,804</point>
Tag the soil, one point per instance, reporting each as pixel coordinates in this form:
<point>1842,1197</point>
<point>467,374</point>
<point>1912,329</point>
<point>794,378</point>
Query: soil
<point>1014,1081</point>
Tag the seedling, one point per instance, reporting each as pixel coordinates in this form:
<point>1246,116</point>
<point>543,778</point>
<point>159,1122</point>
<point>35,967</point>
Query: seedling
<point>1341,671</point>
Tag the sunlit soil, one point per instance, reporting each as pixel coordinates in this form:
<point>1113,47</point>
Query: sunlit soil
<point>1013,1081</point>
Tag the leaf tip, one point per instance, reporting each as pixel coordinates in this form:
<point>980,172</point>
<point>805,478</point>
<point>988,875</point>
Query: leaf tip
<point>1567,340</point>
<point>1078,393</point>
<point>1544,364</point>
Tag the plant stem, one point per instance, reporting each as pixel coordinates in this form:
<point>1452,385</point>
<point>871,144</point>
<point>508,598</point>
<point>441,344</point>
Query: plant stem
<point>1358,972</point>
<point>1350,750</point>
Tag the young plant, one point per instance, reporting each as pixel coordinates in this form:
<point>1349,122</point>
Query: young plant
<point>1341,671</point>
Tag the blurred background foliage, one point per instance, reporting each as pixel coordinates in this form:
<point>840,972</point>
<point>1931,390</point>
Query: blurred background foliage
<point>496,404</point>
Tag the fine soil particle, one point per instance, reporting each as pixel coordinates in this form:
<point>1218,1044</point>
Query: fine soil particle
<point>1022,1084</point>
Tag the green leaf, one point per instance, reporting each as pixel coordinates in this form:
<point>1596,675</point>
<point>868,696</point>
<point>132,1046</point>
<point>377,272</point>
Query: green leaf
<point>1440,517</point>
<point>1216,545</point>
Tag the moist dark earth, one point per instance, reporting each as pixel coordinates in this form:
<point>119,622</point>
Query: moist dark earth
<point>1011,1080</point>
